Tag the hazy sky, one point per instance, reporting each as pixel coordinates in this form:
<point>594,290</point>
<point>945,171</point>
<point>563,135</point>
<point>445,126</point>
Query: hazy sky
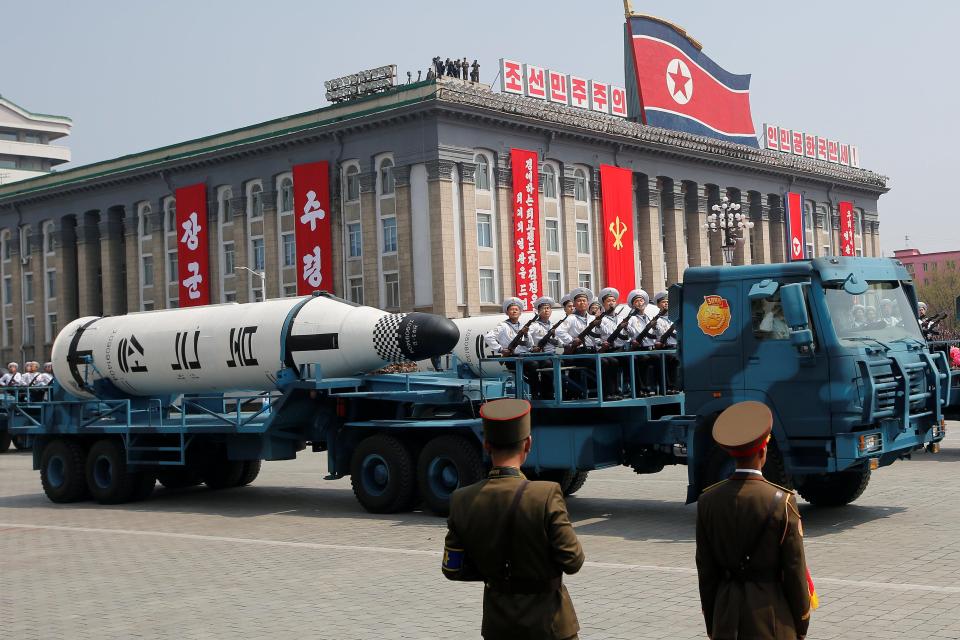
<point>138,75</point>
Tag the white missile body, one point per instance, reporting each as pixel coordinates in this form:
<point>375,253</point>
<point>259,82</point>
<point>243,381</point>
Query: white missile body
<point>234,346</point>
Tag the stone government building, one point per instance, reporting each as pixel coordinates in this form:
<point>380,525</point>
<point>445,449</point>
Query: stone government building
<point>421,218</point>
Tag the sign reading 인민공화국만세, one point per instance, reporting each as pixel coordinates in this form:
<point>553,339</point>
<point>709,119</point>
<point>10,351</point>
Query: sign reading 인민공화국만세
<point>808,145</point>
<point>360,84</point>
<point>526,232</point>
<point>528,80</point>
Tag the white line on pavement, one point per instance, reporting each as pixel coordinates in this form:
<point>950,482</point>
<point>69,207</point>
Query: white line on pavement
<point>889,586</point>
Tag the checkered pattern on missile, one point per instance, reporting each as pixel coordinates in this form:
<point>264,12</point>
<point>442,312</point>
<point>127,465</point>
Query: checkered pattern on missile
<point>385,339</point>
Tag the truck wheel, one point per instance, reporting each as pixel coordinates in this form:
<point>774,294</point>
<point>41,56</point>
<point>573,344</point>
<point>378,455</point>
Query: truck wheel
<point>61,472</point>
<point>22,443</point>
<point>108,478</point>
<point>178,477</point>
<point>222,473</point>
<point>382,474</point>
<point>835,489</point>
<point>446,464</point>
<point>775,469</point>
<point>4,441</point>
<point>579,479</point>
<point>251,469</point>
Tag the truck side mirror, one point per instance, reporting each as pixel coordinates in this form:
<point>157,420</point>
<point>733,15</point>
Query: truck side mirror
<point>794,306</point>
<point>763,290</point>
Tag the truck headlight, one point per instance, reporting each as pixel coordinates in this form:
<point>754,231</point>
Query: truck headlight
<point>870,443</point>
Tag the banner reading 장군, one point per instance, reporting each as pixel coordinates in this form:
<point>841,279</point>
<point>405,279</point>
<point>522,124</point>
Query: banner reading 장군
<point>311,207</point>
<point>795,226</point>
<point>193,255</point>
<point>616,189</point>
<point>847,239</point>
<point>526,225</point>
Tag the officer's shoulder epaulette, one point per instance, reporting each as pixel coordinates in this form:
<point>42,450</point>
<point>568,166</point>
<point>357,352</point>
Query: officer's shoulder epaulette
<point>714,485</point>
<point>784,489</point>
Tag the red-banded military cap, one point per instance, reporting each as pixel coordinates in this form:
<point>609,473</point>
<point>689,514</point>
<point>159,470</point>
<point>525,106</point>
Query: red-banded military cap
<point>744,428</point>
<point>505,421</point>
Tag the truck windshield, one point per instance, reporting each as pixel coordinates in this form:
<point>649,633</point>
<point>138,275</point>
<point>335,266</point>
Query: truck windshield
<point>882,313</point>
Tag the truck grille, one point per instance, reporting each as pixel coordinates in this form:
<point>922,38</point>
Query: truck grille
<point>889,385</point>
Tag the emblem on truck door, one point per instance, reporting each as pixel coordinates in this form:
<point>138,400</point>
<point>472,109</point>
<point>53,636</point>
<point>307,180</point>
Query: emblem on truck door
<point>713,316</point>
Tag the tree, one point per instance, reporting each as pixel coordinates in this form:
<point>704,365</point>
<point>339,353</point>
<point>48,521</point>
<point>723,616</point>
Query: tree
<point>940,293</point>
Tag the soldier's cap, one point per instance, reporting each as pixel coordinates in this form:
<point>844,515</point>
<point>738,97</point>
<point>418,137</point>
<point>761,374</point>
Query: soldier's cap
<point>565,299</point>
<point>581,291</point>
<point>660,296</point>
<point>743,429</point>
<point>608,292</point>
<point>637,293</point>
<point>12,364</point>
<point>593,302</point>
<point>509,302</point>
<point>922,305</point>
<point>47,364</point>
<point>505,421</point>
<point>542,300</point>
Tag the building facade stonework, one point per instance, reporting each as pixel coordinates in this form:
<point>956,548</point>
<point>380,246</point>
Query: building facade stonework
<point>421,198</point>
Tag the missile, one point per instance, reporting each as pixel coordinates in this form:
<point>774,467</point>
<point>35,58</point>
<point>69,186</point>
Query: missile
<point>238,347</point>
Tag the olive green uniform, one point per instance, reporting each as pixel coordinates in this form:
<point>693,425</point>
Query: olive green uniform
<point>769,596</point>
<point>532,603</point>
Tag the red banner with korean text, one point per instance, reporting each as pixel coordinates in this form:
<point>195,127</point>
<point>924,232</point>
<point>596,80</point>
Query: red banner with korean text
<point>193,250</point>
<point>795,243</point>
<point>526,226</point>
<point>847,240</point>
<point>311,208</point>
<point>616,189</point>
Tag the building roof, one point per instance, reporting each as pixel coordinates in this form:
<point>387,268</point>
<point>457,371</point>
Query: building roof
<point>463,98</point>
<point>39,117</point>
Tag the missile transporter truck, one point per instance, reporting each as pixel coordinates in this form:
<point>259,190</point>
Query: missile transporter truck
<point>203,395</point>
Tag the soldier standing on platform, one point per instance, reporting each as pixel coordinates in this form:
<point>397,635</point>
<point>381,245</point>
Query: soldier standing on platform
<point>577,321</point>
<point>753,577</point>
<point>567,303</point>
<point>515,536</point>
<point>645,365</point>
<point>11,378</point>
<point>500,337</point>
<point>667,339</point>
<point>541,372</point>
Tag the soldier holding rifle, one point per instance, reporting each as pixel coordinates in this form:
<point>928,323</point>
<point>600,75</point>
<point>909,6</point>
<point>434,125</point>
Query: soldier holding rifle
<point>511,338</point>
<point>641,330</point>
<point>666,336</point>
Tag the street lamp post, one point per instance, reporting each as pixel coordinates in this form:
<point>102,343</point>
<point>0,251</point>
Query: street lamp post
<point>727,220</point>
<point>263,279</point>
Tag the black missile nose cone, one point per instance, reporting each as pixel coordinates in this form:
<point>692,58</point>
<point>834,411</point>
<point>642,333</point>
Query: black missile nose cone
<point>422,336</point>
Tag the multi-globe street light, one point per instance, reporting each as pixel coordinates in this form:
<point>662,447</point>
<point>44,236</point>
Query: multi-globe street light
<point>726,219</point>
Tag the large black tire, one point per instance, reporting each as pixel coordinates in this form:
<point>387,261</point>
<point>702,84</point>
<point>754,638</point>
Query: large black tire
<point>446,464</point>
<point>222,473</point>
<point>579,479</point>
<point>720,465</point>
<point>382,473</point>
<point>775,469</point>
<point>22,443</point>
<point>835,489</point>
<point>62,472</point>
<point>178,477</point>
<point>562,477</point>
<point>4,441</point>
<point>109,479</point>
<point>251,469</point>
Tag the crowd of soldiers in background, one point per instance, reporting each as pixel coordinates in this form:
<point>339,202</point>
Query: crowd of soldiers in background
<point>454,69</point>
<point>32,376</point>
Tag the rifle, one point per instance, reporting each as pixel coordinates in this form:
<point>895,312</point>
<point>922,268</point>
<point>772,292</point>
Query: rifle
<point>590,327</point>
<point>666,335</point>
<point>620,327</point>
<point>521,333</point>
<point>549,334</point>
<point>651,325</point>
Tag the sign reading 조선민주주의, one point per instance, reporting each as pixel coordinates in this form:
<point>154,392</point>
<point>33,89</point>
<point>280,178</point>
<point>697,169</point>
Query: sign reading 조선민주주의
<point>193,255</point>
<point>360,84</point>
<point>529,80</point>
<point>526,226</point>
<point>808,145</point>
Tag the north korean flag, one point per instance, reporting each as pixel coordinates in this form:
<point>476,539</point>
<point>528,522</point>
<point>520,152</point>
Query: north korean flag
<point>680,88</point>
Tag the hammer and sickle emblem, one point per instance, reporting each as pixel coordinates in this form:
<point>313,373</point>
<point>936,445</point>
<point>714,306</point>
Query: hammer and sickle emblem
<point>618,228</point>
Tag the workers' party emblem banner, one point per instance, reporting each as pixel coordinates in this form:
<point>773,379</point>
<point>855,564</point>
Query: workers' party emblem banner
<point>616,189</point>
<point>795,226</point>
<point>678,87</point>
<point>311,206</point>
<point>193,252</point>
<point>526,226</point>
<point>847,242</point>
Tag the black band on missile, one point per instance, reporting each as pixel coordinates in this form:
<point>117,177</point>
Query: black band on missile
<point>286,337</point>
<point>73,356</point>
<point>313,342</point>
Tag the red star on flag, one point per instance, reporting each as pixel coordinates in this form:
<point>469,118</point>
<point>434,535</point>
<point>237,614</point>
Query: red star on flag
<point>679,81</point>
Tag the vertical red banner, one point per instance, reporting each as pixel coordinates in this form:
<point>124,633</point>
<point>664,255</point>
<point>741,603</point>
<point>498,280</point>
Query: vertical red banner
<point>616,188</point>
<point>847,241</point>
<point>193,253</point>
<point>795,226</point>
<point>526,225</point>
<point>311,208</point>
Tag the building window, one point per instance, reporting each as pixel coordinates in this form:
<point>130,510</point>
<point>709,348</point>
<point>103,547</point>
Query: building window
<point>808,229</point>
<point>8,331</point>
<point>553,285</point>
<point>484,231</point>
<point>259,256</point>
<point>48,247</point>
<point>826,250</point>
<point>387,184</point>
<point>289,291</point>
<point>5,246</point>
<point>147,268</point>
<point>52,327</point>
<point>229,259</point>
<point>583,238</point>
<point>286,196</point>
<point>858,232</point>
<point>585,280</point>
<point>483,172</point>
<point>355,286</point>
<point>226,213</point>
<point>389,235</point>
<point>289,250</point>
<point>29,330</point>
<point>28,287</point>
<point>255,196</point>
<point>170,215</point>
<point>553,235</point>
<point>391,283</point>
<point>174,303</point>
<point>51,283</point>
<point>8,290</point>
<point>354,239</point>
<point>579,185</point>
<point>172,267</point>
<point>145,229</point>
<point>230,296</point>
<point>353,183</point>
<point>488,294</point>
<point>549,182</point>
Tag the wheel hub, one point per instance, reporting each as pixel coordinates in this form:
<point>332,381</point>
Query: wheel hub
<point>443,475</point>
<point>56,471</point>
<point>103,472</point>
<point>375,474</point>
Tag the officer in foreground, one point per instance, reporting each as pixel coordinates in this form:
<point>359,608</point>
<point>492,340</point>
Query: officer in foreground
<point>515,536</point>
<point>753,577</point>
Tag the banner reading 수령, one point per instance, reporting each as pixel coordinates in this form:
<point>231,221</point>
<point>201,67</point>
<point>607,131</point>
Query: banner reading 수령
<point>526,226</point>
<point>847,240</point>
<point>795,226</point>
<point>616,187</point>
<point>311,206</point>
<point>193,253</point>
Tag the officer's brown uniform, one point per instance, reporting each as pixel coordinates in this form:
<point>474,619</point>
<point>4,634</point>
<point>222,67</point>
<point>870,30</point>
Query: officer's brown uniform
<point>523,595</point>
<point>750,561</point>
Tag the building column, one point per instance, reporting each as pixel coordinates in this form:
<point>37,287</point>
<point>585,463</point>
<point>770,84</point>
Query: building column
<point>336,234</point>
<point>112,261</point>
<point>569,230</point>
<point>674,228</point>
<point>648,234</point>
<point>88,265</point>
<point>696,210</point>
<point>598,237</point>
<point>34,308</point>
<point>777,229</point>
<point>716,237</point>
<point>14,269</point>
<point>741,252</point>
<point>66,265</point>
<point>760,217</point>
<point>131,240</point>
<point>503,203</point>
<point>876,238</point>
<point>403,208</point>
<point>466,172</point>
<point>370,230</point>
<point>213,248</point>
<point>442,237</point>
